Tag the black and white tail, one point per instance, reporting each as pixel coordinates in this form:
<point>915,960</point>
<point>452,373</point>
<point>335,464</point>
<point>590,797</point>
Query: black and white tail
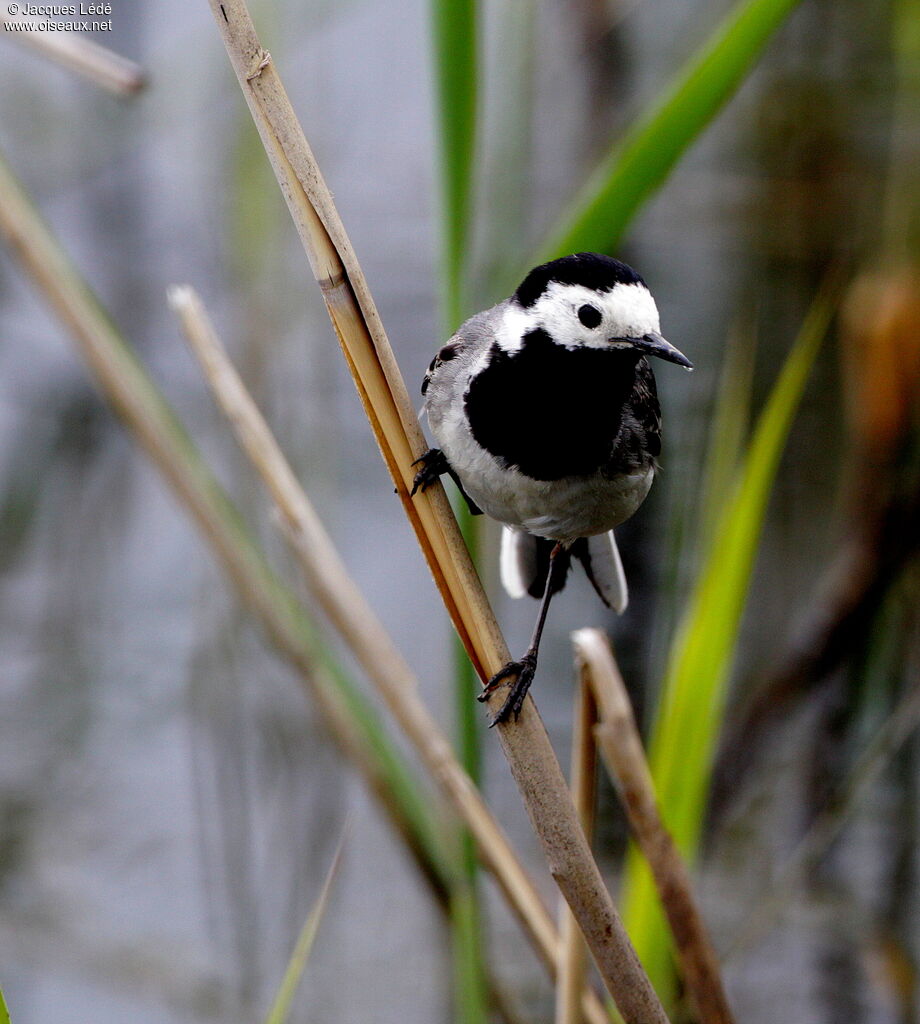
<point>525,563</point>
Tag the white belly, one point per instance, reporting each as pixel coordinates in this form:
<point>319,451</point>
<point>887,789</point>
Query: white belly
<point>558,509</point>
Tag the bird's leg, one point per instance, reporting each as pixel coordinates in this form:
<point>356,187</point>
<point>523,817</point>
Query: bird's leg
<point>434,463</point>
<point>525,668</point>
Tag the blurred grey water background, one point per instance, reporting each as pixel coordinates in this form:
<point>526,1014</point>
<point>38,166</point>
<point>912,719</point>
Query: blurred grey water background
<point>169,805</point>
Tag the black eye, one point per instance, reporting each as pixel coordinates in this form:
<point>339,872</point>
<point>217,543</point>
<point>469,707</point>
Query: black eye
<point>590,316</point>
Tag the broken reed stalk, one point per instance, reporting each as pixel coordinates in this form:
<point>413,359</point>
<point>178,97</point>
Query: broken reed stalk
<point>573,956</point>
<point>100,65</point>
<point>621,748</point>
<point>347,609</point>
<point>388,407</point>
<point>143,410</point>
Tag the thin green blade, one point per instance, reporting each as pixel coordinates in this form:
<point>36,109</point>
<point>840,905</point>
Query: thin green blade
<point>281,1007</point>
<point>456,64</point>
<point>638,165</point>
<point>727,432</point>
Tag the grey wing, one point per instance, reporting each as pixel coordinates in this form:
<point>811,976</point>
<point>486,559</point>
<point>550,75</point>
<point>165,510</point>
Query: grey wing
<point>457,356</point>
<point>445,354</point>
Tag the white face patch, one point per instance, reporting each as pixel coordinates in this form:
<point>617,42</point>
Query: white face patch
<point>627,311</point>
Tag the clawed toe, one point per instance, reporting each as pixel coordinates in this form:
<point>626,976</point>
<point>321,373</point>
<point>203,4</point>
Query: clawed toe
<point>433,464</point>
<point>513,668</point>
<point>523,672</point>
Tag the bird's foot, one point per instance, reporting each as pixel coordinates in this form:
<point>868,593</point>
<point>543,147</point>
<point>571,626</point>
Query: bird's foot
<point>433,463</point>
<point>523,673</point>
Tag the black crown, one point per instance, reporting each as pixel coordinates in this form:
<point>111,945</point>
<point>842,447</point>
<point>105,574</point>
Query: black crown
<point>591,269</point>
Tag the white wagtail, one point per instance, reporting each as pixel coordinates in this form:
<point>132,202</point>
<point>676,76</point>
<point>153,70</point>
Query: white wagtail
<point>547,417</point>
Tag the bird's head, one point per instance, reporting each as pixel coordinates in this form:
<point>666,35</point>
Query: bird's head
<point>588,301</point>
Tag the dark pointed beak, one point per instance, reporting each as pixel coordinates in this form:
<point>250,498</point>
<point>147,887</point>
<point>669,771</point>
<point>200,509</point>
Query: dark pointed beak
<point>654,345</point>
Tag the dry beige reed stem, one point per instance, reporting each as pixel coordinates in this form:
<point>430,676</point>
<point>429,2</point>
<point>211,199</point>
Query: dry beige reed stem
<point>345,606</point>
<point>573,958</point>
<point>100,65</point>
<point>356,322</point>
<point>621,748</point>
<point>386,401</point>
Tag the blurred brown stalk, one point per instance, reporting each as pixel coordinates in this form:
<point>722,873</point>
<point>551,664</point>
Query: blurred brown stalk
<point>583,777</point>
<point>96,63</point>
<point>621,748</point>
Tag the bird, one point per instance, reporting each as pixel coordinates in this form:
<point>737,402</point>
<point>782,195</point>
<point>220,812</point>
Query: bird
<point>546,416</point>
